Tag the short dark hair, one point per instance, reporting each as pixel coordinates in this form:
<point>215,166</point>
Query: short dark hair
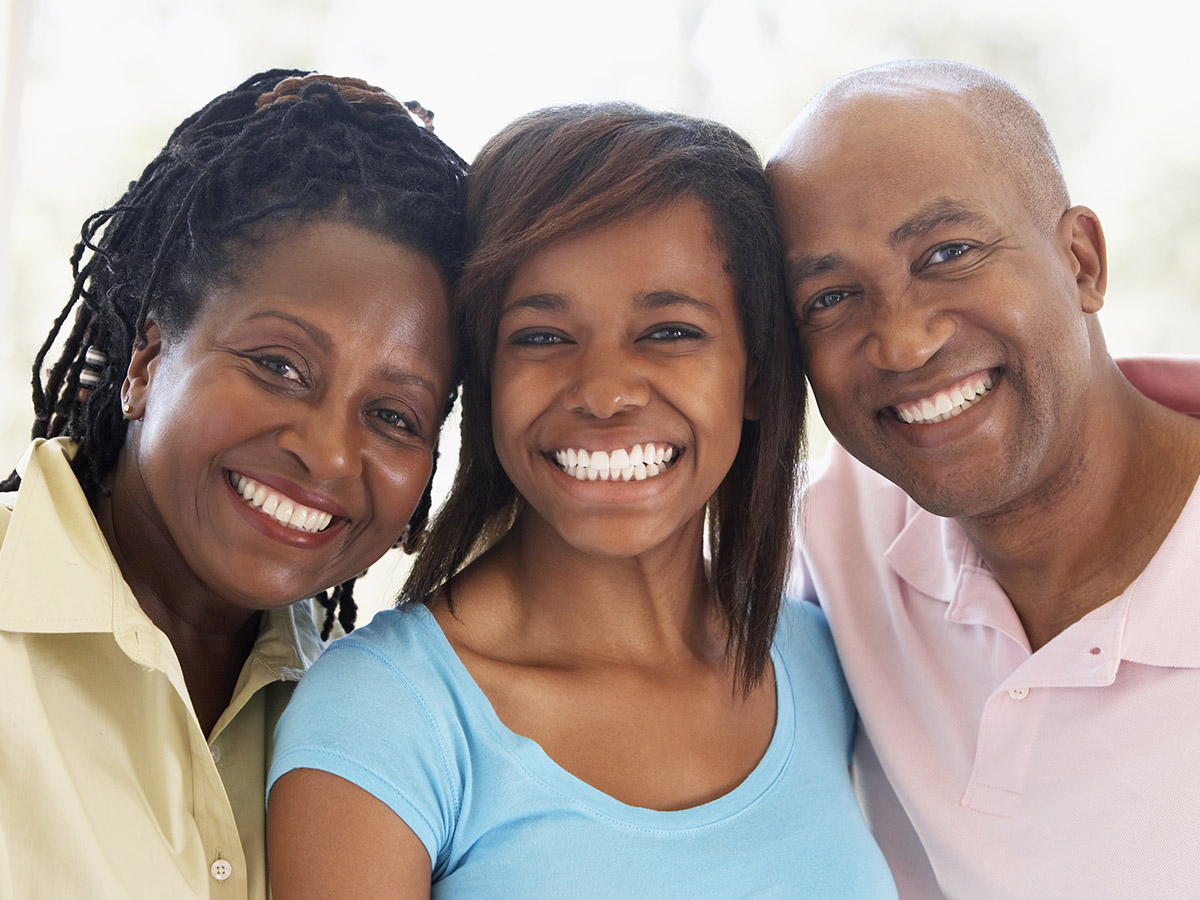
<point>567,170</point>
<point>283,147</point>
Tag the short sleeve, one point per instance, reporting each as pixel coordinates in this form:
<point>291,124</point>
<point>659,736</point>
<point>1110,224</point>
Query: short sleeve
<point>356,715</point>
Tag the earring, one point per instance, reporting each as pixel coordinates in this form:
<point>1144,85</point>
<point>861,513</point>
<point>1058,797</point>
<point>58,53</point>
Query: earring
<point>127,409</point>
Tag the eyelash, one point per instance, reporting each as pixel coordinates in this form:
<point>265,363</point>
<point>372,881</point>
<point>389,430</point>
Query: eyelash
<point>678,332</point>
<point>269,361</point>
<point>962,246</point>
<point>668,332</point>
<point>404,421</point>
<point>537,339</point>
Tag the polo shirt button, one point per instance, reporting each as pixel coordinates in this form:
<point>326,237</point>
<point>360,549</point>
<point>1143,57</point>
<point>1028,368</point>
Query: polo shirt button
<point>1018,693</point>
<point>221,869</point>
<point>216,753</point>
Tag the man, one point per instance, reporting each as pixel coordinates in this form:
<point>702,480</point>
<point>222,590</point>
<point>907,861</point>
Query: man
<point>1013,587</point>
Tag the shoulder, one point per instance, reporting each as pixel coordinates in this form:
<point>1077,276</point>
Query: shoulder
<point>395,655</point>
<point>379,709</point>
<point>843,495</point>
<point>806,650</point>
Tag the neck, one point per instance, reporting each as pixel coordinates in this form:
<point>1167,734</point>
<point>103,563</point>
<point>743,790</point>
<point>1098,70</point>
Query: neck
<point>643,609</point>
<point>1074,548</point>
<point>212,639</point>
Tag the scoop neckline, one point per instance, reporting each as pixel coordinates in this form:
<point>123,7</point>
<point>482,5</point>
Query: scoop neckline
<point>529,756</point>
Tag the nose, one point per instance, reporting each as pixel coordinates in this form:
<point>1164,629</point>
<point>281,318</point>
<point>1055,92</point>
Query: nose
<point>326,442</point>
<point>606,382</point>
<point>905,333</point>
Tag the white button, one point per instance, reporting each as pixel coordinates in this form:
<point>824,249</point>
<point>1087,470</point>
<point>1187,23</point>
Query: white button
<point>221,869</point>
<point>1018,693</point>
<point>216,753</point>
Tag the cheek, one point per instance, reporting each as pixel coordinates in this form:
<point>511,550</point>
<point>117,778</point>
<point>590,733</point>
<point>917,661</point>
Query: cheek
<point>398,491</point>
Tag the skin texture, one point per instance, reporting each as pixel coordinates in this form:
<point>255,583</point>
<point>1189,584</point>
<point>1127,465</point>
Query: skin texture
<point>589,626</point>
<point>320,372</point>
<point>915,262</point>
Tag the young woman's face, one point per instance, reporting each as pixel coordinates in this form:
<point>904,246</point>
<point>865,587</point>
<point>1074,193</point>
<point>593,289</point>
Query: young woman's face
<point>286,437</point>
<point>619,380</point>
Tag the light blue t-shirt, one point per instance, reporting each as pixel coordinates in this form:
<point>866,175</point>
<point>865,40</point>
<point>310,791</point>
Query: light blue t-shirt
<point>393,710</point>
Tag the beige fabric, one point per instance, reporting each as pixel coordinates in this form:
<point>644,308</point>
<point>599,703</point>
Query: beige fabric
<point>108,788</point>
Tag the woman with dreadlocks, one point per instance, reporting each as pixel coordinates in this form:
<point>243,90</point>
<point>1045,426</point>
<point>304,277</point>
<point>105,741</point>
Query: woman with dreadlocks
<point>244,415</point>
<point>577,700</point>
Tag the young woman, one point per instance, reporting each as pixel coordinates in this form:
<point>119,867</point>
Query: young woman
<point>244,414</point>
<point>578,700</point>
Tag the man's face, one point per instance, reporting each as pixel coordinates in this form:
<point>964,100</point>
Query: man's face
<point>943,331</point>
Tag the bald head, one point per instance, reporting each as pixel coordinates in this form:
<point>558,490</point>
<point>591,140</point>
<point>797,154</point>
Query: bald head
<point>921,98</point>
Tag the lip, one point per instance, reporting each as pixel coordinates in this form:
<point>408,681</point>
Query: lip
<point>637,461</point>
<point>273,528</point>
<point>938,406</point>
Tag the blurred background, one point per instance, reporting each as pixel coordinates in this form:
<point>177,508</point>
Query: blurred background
<point>90,90</point>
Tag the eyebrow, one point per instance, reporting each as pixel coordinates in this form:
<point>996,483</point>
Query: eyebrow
<point>319,336</point>
<point>322,339</point>
<point>942,211</point>
<point>650,300</point>
<point>798,270</point>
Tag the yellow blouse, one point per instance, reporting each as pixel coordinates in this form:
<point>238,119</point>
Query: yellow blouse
<point>108,787</point>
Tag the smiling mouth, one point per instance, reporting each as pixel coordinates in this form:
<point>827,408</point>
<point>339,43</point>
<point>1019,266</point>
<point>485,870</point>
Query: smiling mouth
<point>280,507</point>
<point>948,403</point>
<point>636,463</point>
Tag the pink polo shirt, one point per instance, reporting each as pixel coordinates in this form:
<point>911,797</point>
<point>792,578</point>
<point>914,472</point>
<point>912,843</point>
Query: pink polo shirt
<point>1072,772</point>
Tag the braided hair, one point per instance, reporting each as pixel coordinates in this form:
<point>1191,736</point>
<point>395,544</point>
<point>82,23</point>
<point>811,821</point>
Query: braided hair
<point>283,147</point>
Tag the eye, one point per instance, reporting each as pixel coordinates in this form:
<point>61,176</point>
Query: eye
<point>398,420</point>
<point>673,331</point>
<point>826,299</point>
<point>535,338</point>
<point>280,366</point>
<point>948,252</point>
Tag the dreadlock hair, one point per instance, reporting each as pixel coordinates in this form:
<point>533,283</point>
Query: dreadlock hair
<point>285,146</point>
<point>563,171</point>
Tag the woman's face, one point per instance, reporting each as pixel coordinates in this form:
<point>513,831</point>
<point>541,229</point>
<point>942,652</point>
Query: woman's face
<point>286,436</point>
<point>619,381</point>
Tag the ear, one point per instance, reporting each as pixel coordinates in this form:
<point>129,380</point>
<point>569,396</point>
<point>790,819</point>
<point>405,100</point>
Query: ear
<point>1080,228</point>
<point>751,398</point>
<point>139,377</point>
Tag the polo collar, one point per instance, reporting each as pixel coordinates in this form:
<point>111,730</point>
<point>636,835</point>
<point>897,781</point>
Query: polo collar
<point>1154,621</point>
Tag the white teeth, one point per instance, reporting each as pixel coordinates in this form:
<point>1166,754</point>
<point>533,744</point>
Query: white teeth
<point>283,509</point>
<point>945,404</point>
<point>636,463</point>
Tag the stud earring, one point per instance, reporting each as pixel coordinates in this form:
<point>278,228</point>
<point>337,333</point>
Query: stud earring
<point>127,409</point>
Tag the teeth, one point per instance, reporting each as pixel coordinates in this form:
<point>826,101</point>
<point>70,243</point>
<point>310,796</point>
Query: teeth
<point>636,463</point>
<point>283,509</point>
<point>945,404</point>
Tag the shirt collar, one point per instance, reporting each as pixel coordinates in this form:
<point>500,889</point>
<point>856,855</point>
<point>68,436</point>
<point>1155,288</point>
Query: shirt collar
<point>1163,623</point>
<point>1158,612</point>
<point>52,530</point>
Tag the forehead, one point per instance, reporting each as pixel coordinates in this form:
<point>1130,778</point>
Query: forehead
<point>676,244</point>
<point>867,164</point>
